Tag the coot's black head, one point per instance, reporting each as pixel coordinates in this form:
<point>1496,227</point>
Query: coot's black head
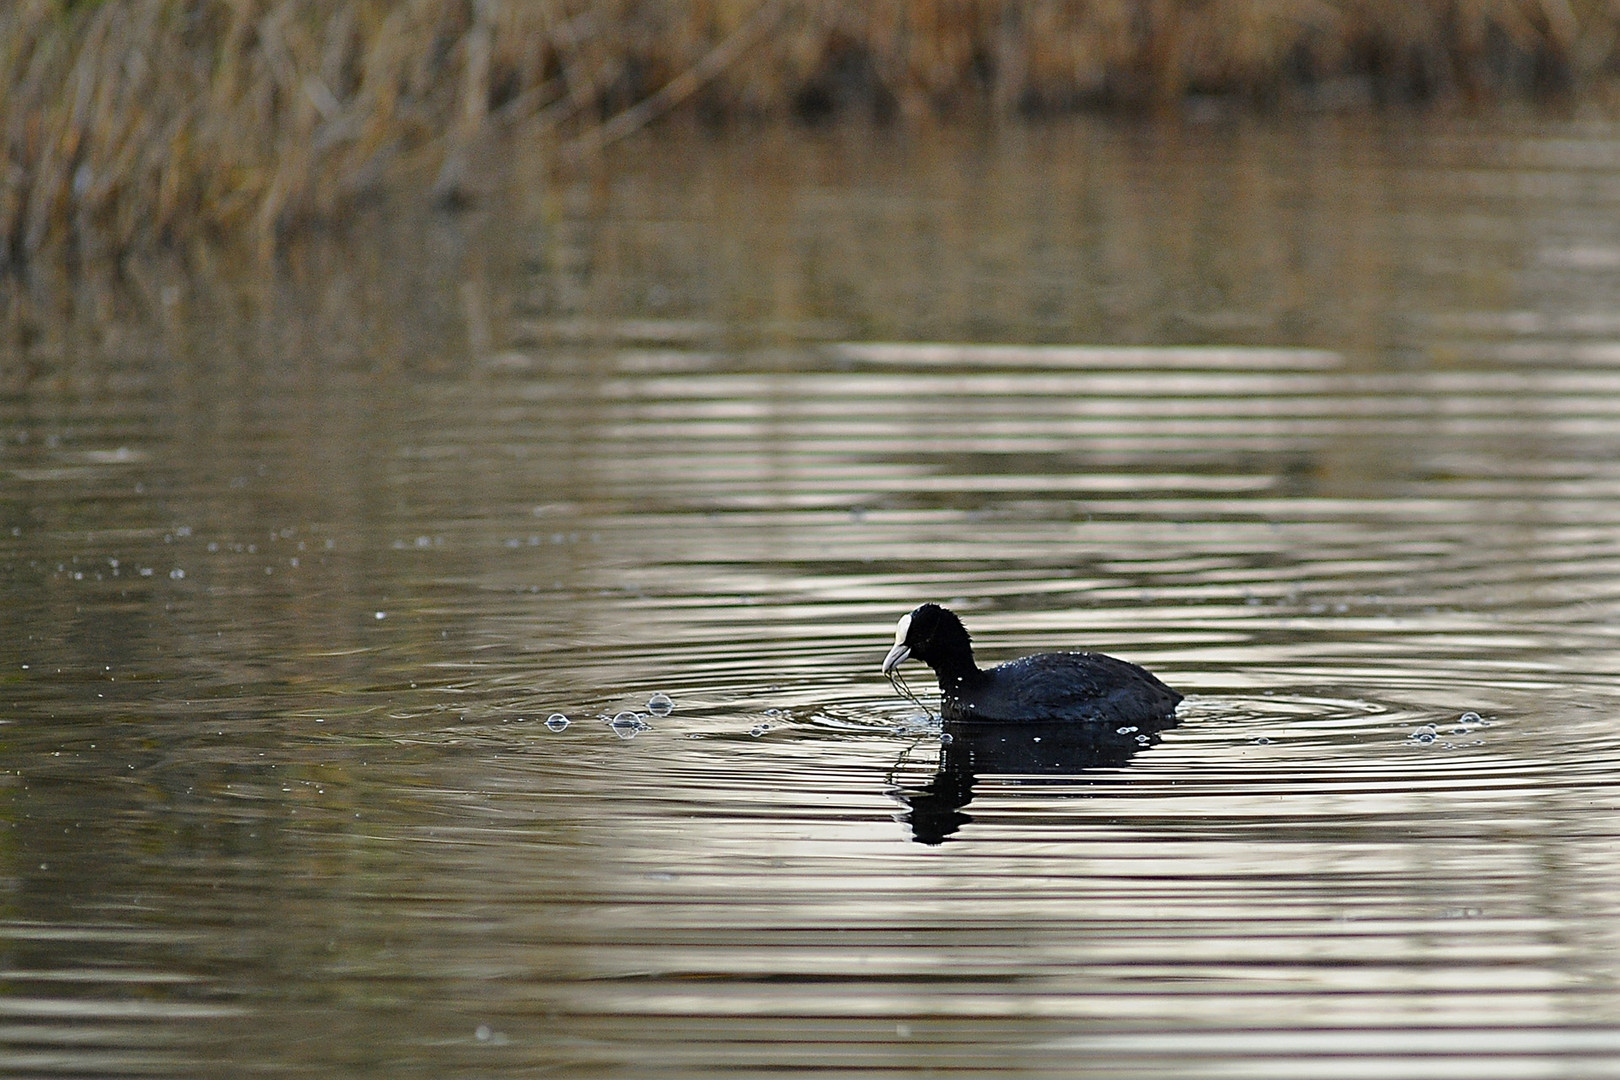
<point>935,636</point>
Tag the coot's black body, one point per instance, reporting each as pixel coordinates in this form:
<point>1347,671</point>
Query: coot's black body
<point>1073,686</point>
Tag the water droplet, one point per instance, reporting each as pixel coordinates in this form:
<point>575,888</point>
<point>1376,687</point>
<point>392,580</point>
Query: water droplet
<point>660,705</point>
<point>483,1034</point>
<point>557,722</point>
<point>1126,730</point>
<point>382,614</point>
<point>1469,718</point>
<point>1425,734</point>
<point>759,729</point>
<point>1260,740</point>
<point>1143,740</point>
<point>946,738</point>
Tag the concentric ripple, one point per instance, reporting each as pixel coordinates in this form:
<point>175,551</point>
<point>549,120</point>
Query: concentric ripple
<point>468,666</point>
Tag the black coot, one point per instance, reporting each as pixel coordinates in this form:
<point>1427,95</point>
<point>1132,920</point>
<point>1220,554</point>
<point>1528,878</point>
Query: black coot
<point>1048,686</point>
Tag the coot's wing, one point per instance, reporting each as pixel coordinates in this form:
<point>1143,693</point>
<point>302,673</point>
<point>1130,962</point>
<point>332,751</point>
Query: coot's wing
<point>1074,686</point>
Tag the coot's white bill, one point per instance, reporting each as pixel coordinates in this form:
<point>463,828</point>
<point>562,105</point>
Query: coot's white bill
<point>901,652</point>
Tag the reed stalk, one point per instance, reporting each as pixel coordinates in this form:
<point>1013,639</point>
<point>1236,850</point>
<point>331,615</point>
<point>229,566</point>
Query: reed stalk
<point>133,123</point>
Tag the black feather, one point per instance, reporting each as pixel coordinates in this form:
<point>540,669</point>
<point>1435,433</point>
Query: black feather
<point>1076,686</point>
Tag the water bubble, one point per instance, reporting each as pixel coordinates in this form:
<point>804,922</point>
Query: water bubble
<point>1425,734</point>
<point>1143,740</point>
<point>627,725</point>
<point>1469,718</point>
<point>759,729</point>
<point>660,705</point>
<point>1260,740</point>
<point>557,722</point>
<point>1128,729</point>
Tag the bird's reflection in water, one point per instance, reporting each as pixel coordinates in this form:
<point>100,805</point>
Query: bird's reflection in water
<point>1046,749</point>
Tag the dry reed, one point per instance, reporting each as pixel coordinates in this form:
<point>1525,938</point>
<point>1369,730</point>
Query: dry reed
<point>129,123</point>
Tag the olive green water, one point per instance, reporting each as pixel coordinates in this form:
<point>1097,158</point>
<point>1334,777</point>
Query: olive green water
<point>1320,421</point>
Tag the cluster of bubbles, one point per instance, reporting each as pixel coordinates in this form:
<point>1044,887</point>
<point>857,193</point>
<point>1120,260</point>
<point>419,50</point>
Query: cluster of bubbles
<point>774,715</point>
<point>627,724</point>
<point>1466,724</point>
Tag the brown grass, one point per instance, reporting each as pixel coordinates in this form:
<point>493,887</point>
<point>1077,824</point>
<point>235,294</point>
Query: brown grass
<point>131,123</point>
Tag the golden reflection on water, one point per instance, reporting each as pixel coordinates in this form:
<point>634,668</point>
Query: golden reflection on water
<point>1319,424</point>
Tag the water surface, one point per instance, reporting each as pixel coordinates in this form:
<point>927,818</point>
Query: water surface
<point>1321,423</point>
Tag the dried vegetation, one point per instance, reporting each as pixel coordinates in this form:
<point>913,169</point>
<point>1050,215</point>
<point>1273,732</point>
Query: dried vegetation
<point>130,123</point>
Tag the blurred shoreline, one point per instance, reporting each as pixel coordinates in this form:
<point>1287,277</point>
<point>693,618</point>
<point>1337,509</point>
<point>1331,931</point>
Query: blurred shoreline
<point>134,125</point>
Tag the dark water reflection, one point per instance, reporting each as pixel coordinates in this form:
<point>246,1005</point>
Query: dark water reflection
<point>1321,425</point>
<point>969,752</point>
